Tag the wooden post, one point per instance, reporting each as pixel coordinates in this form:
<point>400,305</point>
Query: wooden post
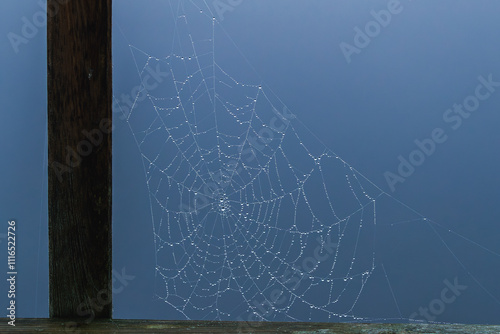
<point>79,86</point>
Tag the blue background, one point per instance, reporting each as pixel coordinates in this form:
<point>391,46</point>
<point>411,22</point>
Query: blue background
<point>368,111</point>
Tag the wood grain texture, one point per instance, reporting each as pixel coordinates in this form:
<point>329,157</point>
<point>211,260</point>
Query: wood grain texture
<point>155,326</point>
<point>79,87</point>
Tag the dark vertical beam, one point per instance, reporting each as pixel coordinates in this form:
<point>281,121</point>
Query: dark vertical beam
<point>79,136</point>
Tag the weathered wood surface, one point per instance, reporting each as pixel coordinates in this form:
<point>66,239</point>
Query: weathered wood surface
<point>155,326</point>
<point>79,180</point>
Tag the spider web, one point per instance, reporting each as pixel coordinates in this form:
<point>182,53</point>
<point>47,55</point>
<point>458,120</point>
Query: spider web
<point>253,217</point>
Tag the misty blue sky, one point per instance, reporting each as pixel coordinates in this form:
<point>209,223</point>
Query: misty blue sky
<point>24,182</point>
<point>368,110</point>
